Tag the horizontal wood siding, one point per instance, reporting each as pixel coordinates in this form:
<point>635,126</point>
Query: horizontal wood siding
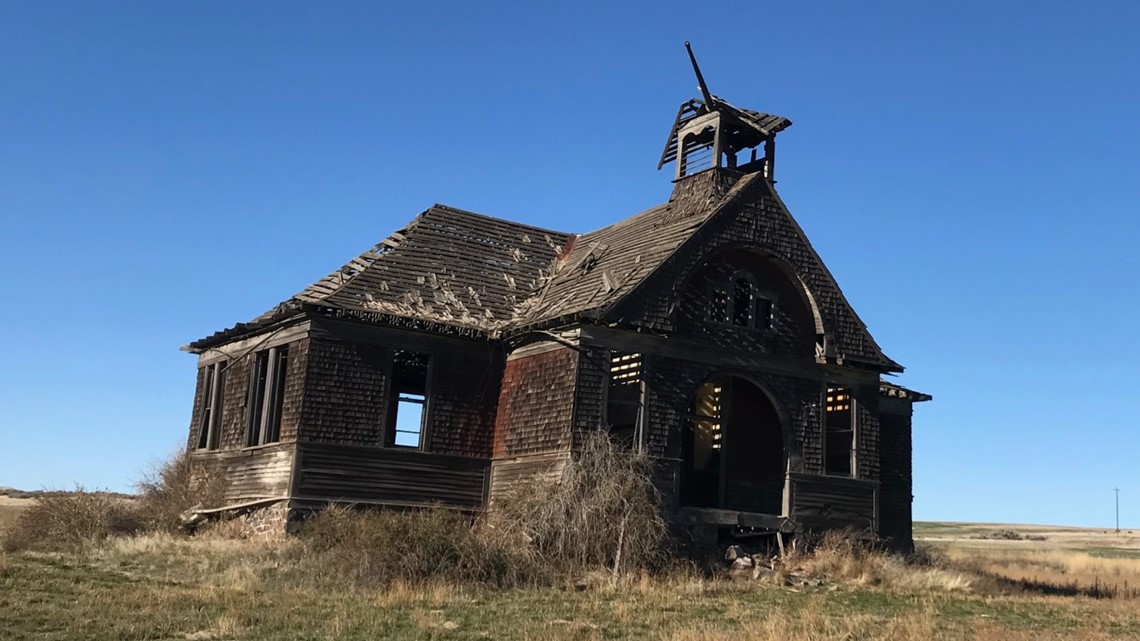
<point>378,475</point>
<point>517,472</point>
<point>831,502</point>
<point>254,473</point>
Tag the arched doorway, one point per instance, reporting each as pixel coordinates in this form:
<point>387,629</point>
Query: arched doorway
<point>733,449</point>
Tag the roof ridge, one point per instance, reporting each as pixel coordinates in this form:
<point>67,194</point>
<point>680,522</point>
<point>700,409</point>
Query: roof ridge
<point>468,212</point>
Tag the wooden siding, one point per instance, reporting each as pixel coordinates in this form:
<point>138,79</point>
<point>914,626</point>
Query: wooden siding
<point>750,215</point>
<point>536,406</point>
<point>464,394</point>
<point>792,330</point>
<point>252,473</point>
<point>233,427</point>
<point>345,391</point>
<point>330,472</point>
<point>515,472</point>
<point>895,500</point>
<point>833,502</point>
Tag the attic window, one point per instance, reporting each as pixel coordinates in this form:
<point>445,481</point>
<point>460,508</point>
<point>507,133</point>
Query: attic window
<point>267,395</point>
<point>739,302</point>
<point>839,438</point>
<point>213,391</point>
<point>743,302</point>
<point>407,407</point>
<point>624,401</point>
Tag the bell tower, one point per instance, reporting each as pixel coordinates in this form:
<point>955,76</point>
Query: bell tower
<point>709,132</point>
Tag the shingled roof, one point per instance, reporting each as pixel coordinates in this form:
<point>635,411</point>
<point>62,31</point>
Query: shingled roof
<point>605,265</point>
<point>447,266</point>
<point>476,275</point>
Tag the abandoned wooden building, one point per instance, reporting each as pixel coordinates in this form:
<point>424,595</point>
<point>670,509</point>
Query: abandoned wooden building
<point>463,354</point>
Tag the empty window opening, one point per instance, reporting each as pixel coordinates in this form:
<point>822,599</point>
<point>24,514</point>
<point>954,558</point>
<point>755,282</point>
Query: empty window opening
<point>839,432</point>
<point>745,306</point>
<point>623,406</point>
<point>762,316</point>
<point>706,423</point>
<point>267,395</point>
<point>407,414</point>
<point>720,311</point>
<point>703,447</point>
<point>213,391</point>
<point>743,302</point>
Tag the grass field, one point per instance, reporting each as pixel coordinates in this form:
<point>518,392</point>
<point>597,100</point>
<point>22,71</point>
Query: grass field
<point>10,508</point>
<point>160,587</point>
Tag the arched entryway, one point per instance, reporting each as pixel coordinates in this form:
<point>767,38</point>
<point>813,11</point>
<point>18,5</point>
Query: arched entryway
<point>733,449</point>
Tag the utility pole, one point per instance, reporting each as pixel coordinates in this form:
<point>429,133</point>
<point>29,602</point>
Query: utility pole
<point>1117,490</point>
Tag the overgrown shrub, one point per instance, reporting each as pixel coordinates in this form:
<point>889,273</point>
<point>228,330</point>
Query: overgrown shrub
<point>66,521</point>
<point>841,557</point>
<point>173,487</point>
<point>381,548</point>
<point>602,513</point>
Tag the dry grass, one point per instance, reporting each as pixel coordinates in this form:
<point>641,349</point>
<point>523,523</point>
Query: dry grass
<point>602,513</point>
<point>68,521</point>
<point>173,487</point>
<point>1069,561</point>
<point>208,587</point>
<point>10,510</point>
<point>347,547</point>
<point>839,558</point>
<point>1061,571</point>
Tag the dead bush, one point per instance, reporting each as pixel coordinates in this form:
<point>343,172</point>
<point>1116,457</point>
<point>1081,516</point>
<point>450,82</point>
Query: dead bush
<point>602,513</point>
<point>383,548</point>
<point>842,557</point>
<point>173,487</point>
<point>67,521</point>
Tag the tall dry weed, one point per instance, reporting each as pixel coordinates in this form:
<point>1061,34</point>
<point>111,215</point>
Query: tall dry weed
<point>840,557</point>
<point>174,486</point>
<point>385,548</point>
<point>68,521</point>
<point>602,513</point>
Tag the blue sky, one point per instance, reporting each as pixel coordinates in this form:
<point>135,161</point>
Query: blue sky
<point>967,170</point>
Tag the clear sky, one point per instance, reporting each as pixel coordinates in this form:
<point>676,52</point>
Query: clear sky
<point>968,171</point>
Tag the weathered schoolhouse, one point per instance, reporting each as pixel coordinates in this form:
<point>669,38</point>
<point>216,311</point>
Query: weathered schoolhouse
<point>464,354</point>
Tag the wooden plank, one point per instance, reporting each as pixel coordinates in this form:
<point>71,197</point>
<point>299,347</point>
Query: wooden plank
<point>383,475</point>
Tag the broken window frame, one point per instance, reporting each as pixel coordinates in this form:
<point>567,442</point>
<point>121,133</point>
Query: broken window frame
<point>725,302</point>
<point>210,413</point>
<point>266,396</point>
<point>838,400</point>
<point>404,392</point>
<point>625,391</point>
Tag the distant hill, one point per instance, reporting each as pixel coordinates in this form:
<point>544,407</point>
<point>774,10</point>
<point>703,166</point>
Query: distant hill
<point>14,493</point>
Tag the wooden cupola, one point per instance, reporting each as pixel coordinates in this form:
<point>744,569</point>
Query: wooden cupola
<point>709,132</point>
